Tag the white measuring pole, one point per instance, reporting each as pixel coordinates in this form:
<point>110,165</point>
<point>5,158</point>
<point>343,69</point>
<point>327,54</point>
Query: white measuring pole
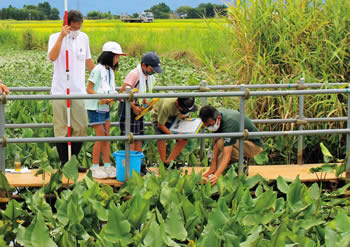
<point>68,83</point>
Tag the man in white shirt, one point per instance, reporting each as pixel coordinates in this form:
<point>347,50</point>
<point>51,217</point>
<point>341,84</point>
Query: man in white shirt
<point>79,58</point>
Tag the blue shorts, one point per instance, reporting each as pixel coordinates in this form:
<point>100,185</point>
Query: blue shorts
<point>96,117</point>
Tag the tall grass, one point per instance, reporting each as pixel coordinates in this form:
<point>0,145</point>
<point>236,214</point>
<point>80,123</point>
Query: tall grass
<point>278,41</point>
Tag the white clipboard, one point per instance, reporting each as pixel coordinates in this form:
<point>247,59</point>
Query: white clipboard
<point>186,125</point>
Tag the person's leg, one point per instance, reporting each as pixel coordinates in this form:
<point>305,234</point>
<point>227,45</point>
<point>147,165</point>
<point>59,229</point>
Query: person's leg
<point>98,145</point>
<point>179,146</point>
<point>79,123</point>
<point>106,145</point>
<point>136,146</point>
<point>250,150</point>
<point>60,127</point>
<point>220,143</point>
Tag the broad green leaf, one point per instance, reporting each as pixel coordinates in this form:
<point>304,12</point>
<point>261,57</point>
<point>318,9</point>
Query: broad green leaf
<point>101,212</point>
<point>62,210</point>
<point>74,212</point>
<point>174,224</point>
<point>307,224</point>
<point>325,151</point>
<point>117,229</point>
<point>253,238</point>
<point>138,208</point>
<point>282,185</point>
<point>24,235</point>
<point>68,240</point>
<point>294,195</point>
<point>28,133</point>
<point>314,192</point>
<point>70,169</point>
<point>55,182</point>
<point>13,210</point>
<point>266,201</point>
<point>40,236</point>
<point>343,221</point>
<point>331,238</point>
<point>153,237</point>
<point>4,184</point>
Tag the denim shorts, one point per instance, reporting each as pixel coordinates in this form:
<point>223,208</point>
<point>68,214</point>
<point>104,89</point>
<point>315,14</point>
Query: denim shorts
<point>98,117</point>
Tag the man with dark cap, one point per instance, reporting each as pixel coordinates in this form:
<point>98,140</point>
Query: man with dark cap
<point>163,114</point>
<point>140,79</point>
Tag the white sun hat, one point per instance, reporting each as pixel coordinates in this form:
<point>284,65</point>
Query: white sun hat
<point>113,47</point>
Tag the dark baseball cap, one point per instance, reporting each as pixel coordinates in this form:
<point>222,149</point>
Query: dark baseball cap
<point>187,104</point>
<point>152,59</point>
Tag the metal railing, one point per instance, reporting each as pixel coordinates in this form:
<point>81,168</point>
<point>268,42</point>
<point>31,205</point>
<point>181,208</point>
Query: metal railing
<point>244,94</point>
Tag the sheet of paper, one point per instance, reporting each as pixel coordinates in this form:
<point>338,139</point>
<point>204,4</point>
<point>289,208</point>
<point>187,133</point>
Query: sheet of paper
<point>23,170</point>
<point>186,126</point>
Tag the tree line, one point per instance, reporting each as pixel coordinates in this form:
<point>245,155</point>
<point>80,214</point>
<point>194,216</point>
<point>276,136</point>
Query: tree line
<point>43,11</point>
<point>163,11</point>
<point>31,12</point>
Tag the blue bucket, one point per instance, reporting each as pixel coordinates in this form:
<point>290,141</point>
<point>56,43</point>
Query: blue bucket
<point>136,159</point>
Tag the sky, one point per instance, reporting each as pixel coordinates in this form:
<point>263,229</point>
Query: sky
<point>115,6</point>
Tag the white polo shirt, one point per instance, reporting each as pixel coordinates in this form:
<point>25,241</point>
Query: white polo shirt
<point>79,51</point>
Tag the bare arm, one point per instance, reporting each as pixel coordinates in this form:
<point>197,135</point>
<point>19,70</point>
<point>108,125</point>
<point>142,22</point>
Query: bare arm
<point>56,49</point>
<point>90,90</point>
<point>225,160</point>
<point>89,63</point>
<point>3,88</point>
<point>164,129</point>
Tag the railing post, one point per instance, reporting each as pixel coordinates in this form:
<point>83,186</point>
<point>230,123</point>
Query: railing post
<point>300,127</point>
<point>204,102</point>
<point>127,132</point>
<point>241,129</point>
<point>347,173</point>
<point>2,132</point>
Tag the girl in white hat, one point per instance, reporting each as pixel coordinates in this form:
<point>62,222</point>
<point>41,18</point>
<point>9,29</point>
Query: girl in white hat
<point>102,81</point>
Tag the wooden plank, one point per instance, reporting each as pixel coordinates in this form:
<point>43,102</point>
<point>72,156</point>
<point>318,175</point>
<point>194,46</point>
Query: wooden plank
<point>290,172</point>
<point>272,172</point>
<point>30,180</point>
<point>269,172</point>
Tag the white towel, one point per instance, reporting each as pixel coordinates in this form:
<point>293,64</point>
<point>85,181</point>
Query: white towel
<point>142,83</point>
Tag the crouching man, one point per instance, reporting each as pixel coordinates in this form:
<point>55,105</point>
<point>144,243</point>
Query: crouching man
<point>226,150</point>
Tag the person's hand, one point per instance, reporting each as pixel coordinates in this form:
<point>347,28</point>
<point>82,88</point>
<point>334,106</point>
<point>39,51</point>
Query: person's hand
<point>209,172</point>
<point>4,89</point>
<point>213,179</point>
<point>65,31</point>
<point>137,110</point>
<point>105,101</point>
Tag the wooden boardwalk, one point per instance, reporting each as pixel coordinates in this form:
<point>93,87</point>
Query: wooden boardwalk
<point>269,172</point>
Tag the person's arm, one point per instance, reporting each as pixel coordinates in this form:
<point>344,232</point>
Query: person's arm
<point>164,129</point>
<point>212,168</point>
<point>90,65</point>
<point>223,164</point>
<point>3,88</point>
<point>90,90</point>
<point>56,49</point>
<point>136,109</point>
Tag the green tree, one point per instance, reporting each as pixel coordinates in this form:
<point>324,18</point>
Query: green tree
<point>95,15</point>
<point>161,11</point>
<point>183,11</point>
<point>45,9</point>
<point>54,14</point>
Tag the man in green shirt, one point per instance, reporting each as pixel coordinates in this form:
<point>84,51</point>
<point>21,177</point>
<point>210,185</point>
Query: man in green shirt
<point>163,115</point>
<point>225,149</point>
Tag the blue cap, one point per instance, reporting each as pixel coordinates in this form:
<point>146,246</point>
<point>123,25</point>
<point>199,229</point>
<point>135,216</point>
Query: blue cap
<point>152,59</point>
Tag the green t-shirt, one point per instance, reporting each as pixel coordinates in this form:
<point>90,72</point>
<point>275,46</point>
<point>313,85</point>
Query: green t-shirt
<point>230,122</point>
<point>165,111</point>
